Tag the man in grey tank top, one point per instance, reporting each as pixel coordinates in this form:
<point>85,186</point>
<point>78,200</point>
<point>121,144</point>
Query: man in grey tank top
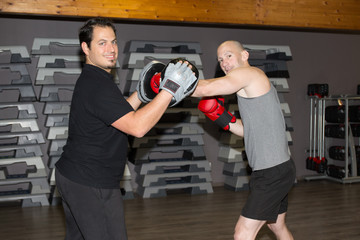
<point>263,128</point>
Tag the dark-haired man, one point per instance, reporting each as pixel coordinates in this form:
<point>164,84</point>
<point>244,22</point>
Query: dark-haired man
<point>89,171</point>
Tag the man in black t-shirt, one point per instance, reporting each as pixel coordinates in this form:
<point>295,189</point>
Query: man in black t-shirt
<point>89,171</point>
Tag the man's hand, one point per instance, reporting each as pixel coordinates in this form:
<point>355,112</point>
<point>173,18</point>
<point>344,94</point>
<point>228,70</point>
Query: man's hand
<point>178,78</point>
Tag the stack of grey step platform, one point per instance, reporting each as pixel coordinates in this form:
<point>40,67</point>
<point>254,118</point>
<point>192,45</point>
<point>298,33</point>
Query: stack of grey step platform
<point>59,64</point>
<point>272,60</point>
<point>171,156</point>
<point>23,176</point>
<point>232,154</point>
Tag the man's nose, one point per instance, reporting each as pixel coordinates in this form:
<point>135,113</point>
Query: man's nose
<point>110,47</point>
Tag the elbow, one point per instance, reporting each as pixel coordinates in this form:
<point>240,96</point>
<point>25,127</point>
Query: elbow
<point>139,135</point>
<point>139,132</point>
<point>132,125</point>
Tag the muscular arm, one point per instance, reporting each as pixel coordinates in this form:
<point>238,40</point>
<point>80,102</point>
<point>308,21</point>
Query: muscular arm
<point>233,82</point>
<point>251,80</point>
<point>215,86</point>
<point>138,123</point>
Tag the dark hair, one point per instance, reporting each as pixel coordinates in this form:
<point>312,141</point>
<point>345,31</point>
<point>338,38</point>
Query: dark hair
<point>86,31</point>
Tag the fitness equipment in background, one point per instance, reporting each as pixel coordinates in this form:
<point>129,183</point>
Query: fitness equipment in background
<point>316,160</point>
<point>335,128</point>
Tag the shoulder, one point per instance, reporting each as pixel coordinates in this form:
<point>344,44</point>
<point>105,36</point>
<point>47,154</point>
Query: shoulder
<point>257,82</point>
<point>247,75</point>
<point>247,72</point>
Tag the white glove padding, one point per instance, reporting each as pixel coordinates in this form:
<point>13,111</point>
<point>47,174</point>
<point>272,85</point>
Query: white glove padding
<point>177,79</point>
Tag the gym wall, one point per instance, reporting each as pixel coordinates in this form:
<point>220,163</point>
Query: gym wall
<point>318,57</point>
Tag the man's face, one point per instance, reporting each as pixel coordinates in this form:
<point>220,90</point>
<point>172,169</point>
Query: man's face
<point>229,57</point>
<point>103,51</point>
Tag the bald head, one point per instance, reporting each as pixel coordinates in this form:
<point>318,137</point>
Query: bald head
<point>231,54</point>
<point>235,45</point>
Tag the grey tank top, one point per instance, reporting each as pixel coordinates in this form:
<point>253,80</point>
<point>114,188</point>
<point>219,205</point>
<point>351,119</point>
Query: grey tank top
<point>265,138</point>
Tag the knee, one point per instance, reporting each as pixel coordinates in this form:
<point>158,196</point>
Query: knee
<point>273,227</point>
<point>241,232</point>
<point>238,235</point>
<point>247,229</point>
<point>244,234</point>
<point>277,227</point>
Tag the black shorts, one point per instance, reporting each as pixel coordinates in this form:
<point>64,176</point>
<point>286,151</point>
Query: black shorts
<point>269,190</point>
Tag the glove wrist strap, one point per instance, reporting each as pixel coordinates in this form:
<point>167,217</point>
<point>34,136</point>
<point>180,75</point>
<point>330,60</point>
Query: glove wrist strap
<point>224,119</point>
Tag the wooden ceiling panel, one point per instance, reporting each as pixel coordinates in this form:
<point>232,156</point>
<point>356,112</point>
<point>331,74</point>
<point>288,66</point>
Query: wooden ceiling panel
<point>310,14</point>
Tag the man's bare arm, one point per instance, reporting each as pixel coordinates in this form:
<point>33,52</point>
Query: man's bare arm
<point>237,128</point>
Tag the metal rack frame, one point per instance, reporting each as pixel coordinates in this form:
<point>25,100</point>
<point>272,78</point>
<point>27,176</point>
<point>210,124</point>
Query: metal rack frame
<point>349,138</point>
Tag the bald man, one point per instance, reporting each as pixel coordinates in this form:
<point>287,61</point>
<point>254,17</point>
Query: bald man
<point>263,127</point>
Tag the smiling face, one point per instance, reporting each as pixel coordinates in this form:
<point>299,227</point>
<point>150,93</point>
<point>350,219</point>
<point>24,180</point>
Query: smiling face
<point>103,50</point>
<point>231,55</point>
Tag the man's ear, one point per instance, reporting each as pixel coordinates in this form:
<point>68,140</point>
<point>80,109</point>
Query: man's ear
<point>244,55</point>
<point>85,48</point>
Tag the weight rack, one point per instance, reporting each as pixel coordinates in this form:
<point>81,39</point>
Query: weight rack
<point>318,143</point>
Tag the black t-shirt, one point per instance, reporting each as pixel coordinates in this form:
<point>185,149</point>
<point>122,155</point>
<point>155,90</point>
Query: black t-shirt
<point>95,152</point>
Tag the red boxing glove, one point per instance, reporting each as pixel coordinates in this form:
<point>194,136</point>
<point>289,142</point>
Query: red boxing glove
<point>155,82</point>
<point>149,81</point>
<point>213,108</point>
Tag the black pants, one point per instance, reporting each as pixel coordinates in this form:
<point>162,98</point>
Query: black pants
<point>91,213</point>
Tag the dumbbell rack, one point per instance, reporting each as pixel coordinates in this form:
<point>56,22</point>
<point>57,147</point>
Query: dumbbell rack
<point>318,142</point>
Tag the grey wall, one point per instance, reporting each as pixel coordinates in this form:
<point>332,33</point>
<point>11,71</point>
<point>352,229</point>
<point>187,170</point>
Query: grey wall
<point>331,58</point>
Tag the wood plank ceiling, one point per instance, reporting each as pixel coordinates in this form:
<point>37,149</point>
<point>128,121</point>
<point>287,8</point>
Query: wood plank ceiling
<point>303,14</point>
